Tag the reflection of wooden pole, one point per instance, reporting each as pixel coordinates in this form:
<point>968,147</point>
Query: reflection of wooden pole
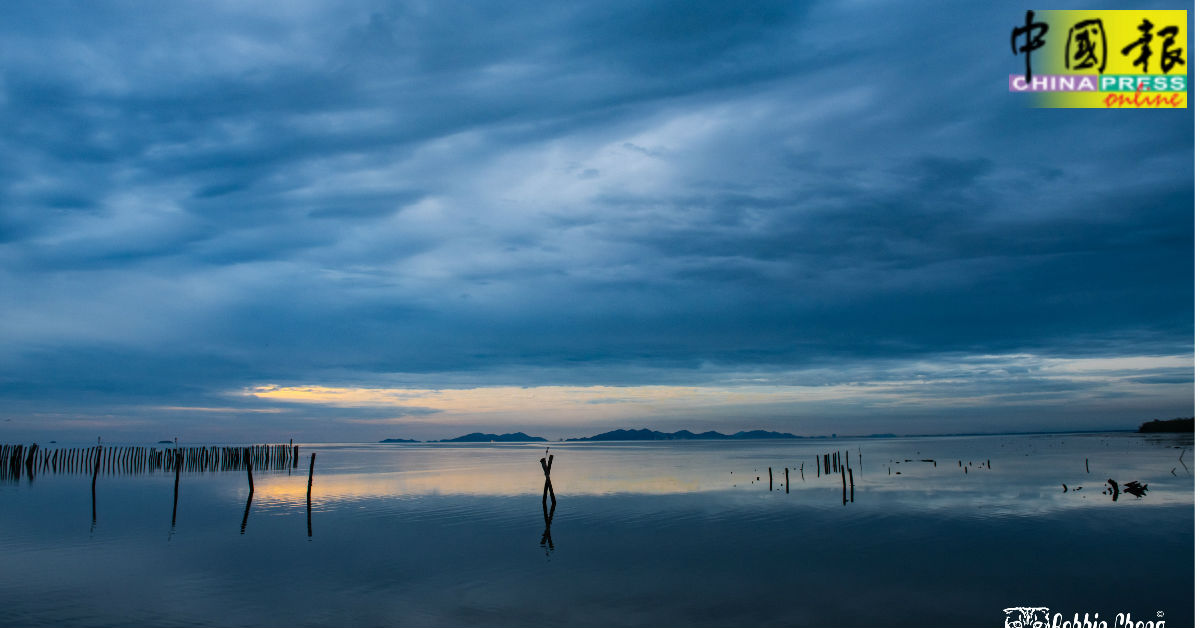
<point>548,517</point>
<point>246,515</point>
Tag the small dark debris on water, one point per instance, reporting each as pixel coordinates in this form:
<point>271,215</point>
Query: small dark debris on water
<point>1064,488</point>
<point>1135,488</point>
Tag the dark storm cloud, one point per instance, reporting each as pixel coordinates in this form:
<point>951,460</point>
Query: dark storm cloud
<point>199,198</point>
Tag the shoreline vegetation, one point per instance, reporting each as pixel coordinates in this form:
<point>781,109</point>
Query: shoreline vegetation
<point>1169,426</point>
<point>1178,425</point>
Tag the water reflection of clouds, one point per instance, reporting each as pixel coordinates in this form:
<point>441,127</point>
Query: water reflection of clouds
<point>1016,485</point>
<point>458,482</point>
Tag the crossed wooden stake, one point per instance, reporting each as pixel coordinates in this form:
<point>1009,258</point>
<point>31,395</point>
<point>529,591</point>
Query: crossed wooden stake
<point>548,489</point>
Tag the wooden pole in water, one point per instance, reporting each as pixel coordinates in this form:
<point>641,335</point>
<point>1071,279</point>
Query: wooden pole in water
<point>1085,465</point>
<point>770,480</point>
<point>311,463</point>
<point>851,470</point>
<point>843,486</point>
<point>175,504</point>
<point>95,472</point>
<point>249,475</point>
<point>787,483</point>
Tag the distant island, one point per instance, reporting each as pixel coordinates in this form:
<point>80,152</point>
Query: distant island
<point>1170,425</point>
<point>625,435</point>
<point>476,437</point>
<point>645,434</point>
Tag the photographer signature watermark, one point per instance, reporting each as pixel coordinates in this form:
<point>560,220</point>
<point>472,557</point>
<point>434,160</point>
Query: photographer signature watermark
<point>1040,617</point>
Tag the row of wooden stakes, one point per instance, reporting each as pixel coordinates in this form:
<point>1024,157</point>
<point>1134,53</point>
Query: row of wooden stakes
<point>127,460</point>
<point>15,459</point>
<point>833,463</point>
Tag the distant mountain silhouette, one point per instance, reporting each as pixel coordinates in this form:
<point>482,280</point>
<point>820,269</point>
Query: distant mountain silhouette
<point>1170,425</point>
<point>476,437</point>
<point>399,440</point>
<point>646,434</point>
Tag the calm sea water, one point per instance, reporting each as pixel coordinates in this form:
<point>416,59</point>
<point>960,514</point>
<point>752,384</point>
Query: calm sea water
<point>643,534</point>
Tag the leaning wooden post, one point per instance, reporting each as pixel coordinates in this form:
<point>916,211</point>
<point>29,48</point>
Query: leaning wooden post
<point>249,471</point>
<point>548,488</point>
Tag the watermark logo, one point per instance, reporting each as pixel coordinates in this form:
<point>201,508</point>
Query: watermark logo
<point>1039,617</point>
<point>1102,59</point>
<point>1027,617</point>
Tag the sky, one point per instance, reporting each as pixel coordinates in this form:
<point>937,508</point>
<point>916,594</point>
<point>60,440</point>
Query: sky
<point>348,221</point>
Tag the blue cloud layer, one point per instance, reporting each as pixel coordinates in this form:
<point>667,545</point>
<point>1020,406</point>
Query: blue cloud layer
<point>198,199</point>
